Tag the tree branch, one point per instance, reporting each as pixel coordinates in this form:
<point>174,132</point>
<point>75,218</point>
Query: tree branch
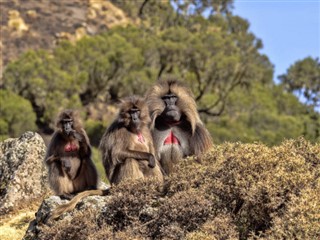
<point>141,8</point>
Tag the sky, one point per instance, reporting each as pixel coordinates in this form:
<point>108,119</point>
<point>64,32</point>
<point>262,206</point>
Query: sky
<point>289,30</point>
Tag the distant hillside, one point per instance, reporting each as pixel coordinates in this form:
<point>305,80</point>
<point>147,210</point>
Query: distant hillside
<point>217,56</point>
<point>34,24</point>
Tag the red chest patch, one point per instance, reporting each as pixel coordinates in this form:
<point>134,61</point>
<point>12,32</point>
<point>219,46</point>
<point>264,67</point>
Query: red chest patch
<point>70,147</point>
<point>140,138</point>
<point>171,139</point>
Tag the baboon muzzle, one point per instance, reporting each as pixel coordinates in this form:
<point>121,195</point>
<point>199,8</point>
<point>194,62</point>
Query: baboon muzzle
<point>67,126</point>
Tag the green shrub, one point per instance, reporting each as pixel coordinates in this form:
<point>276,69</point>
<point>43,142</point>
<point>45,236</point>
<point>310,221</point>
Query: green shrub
<point>97,159</point>
<point>95,130</point>
<point>16,115</point>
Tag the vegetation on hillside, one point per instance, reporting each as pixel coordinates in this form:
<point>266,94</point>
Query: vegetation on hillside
<point>199,42</point>
<point>238,191</point>
<point>16,114</point>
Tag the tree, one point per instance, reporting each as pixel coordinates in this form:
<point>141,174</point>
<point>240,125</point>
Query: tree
<point>303,78</point>
<point>16,115</point>
<point>202,43</point>
<point>38,77</point>
<point>262,113</point>
<point>199,42</point>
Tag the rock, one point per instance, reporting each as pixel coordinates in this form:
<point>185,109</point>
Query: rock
<point>23,175</point>
<point>91,203</point>
<point>16,22</point>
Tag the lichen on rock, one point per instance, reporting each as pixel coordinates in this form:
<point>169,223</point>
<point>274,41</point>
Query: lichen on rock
<point>23,175</point>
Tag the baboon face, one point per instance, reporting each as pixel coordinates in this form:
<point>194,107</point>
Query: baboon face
<point>133,113</point>
<point>67,122</point>
<point>130,116</point>
<point>171,113</point>
<point>171,103</point>
<point>135,117</point>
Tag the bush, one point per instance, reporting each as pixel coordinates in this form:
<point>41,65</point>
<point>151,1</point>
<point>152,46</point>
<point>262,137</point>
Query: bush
<point>95,130</point>
<point>96,157</point>
<point>16,115</point>
<point>238,191</point>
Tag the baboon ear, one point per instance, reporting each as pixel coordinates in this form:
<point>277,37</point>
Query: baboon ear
<point>153,119</point>
<point>143,99</point>
<point>119,101</point>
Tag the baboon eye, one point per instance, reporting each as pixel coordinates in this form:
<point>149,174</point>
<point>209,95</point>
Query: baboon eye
<point>137,111</point>
<point>67,120</point>
<point>170,99</point>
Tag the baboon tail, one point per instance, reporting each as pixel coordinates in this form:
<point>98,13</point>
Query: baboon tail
<point>73,202</point>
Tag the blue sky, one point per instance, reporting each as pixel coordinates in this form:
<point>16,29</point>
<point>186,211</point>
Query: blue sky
<point>289,30</point>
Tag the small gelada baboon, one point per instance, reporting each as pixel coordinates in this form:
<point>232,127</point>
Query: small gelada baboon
<point>176,126</point>
<point>127,146</point>
<point>68,157</point>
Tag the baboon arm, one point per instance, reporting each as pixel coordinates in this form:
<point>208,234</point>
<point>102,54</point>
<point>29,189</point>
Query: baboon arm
<point>85,144</point>
<point>86,138</point>
<point>51,154</point>
<point>153,151</point>
<point>51,159</point>
<point>139,156</point>
<point>122,156</point>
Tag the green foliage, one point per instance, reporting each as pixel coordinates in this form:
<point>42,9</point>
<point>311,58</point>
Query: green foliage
<point>96,157</point>
<point>262,113</point>
<point>16,115</point>
<point>303,77</point>
<point>238,191</point>
<point>95,130</point>
<point>216,56</point>
<point>37,77</point>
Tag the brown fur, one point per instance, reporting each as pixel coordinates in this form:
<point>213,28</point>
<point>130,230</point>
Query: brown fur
<point>193,136</point>
<point>82,174</point>
<point>124,156</point>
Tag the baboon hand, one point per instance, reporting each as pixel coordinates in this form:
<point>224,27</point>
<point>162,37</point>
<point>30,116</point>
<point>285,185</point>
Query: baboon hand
<point>198,158</point>
<point>67,196</point>
<point>52,158</point>
<point>152,161</point>
<point>78,136</point>
<point>67,165</point>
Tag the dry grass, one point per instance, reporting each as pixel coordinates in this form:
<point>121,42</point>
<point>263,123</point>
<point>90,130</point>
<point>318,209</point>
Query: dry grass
<point>13,226</point>
<point>239,191</point>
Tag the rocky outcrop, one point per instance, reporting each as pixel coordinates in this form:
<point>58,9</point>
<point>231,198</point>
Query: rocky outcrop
<point>41,24</point>
<point>23,175</point>
<point>39,224</point>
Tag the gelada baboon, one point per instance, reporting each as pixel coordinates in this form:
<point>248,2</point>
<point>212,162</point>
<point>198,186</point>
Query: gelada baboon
<point>127,146</point>
<point>68,157</point>
<point>176,126</point>
<point>127,150</point>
